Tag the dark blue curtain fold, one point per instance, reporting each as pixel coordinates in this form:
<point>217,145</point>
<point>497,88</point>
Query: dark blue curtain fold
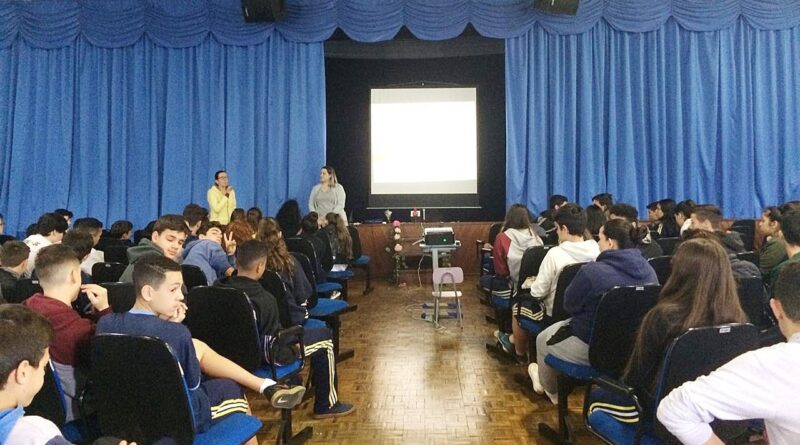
<point>710,116</point>
<point>137,131</point>
<point>184,23</point>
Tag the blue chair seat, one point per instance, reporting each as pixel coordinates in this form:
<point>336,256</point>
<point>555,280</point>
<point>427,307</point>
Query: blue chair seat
<point>501,303</point>
<point>530,326</point>
<point>265,372</point>
<point>363,260</point>
<point>233,428</point>
<point>614,431</point>
<point>71,431</point>
<point>328,287</point>
<point>343,275</point>
<point>326,307</point>
<point>578,372</point>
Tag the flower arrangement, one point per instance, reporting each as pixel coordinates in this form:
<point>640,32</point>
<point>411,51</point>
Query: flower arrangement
<point>395,249</point>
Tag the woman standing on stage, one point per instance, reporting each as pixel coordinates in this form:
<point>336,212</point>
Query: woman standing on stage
<point>221,198</point>
<point>327,196</point>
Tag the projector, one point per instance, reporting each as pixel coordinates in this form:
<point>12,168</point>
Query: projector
<point>439,236</point>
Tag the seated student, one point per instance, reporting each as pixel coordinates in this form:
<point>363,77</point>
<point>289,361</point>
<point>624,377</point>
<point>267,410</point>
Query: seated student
<point>760,384</point>
<point>24,340</point>
<point>570,222</point>
<point>167,238</point>
<point>740,268</point>
<point>288,217</point>
<point>239,231</point>
<point>620,263</point>
<point>652,213</point>
<point>309,227</point>
<point>595,218</point>
<point>648,247</point>
<point>59,274</point>
<point>700,292</point>
<point>297,290</point>
<point>158,312</point>
<point>49,229</point>
<point>66,214</point>
<point>603,201</point>
<point>545,220</point>
<point>253,217</point>
<point>251,261</point>
<point>238,215</point>
<point>773,252</point>
<point>683,214</point>
<point>93,227</point>
<point>339,238</point>
<point>14,260</point>
<point>709,218</point>
<point>207,253</point>
<point>790,228</point>
<point>666,226</point>
<point>515,237</point>
<point>121,230</point>
<point>193,216</point>
<point>81,245</point>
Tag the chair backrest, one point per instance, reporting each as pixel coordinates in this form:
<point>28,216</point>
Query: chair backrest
<point>749,256</point>
<point>328,257</point>
<point>24,289</point>
<point>107,272</point>
<point>754,299</point>
<point>494,230</point>
<point>273,284</point>
<point>668,244</point>
<point>193,276</point>
<point>116,253</point>
<point>357,249</point>
<point>616,322</point>
<point>49,401</point>
<point>698,352</point>
<point>746,225</point>
<point>748,239</point>
<point>662,265</point>
<point>223,318</point>
<point>448,275</point>
<point>530,263</point>
<point>121,296</point>
<point>139,389</point>
<point>564,279</point>
<point>308,270</point>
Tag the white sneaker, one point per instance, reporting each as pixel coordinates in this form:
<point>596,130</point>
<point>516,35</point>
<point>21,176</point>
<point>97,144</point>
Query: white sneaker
<point>497,333</point>
<point>553,397</point>
<point>533,371</point>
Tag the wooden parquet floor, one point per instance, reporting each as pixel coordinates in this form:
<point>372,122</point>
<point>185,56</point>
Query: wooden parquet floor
<point>414,384</point>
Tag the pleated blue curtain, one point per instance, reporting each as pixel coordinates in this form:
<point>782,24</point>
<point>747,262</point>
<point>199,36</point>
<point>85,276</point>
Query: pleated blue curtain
<point>137,131</point>
<point>671,112</point>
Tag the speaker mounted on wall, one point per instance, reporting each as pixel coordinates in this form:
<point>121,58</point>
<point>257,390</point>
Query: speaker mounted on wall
<point>263,10</point>
<point>568,7</point>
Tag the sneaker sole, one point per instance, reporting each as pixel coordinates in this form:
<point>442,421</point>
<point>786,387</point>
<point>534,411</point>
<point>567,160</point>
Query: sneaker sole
<point>288,398</point>
<point>339,414</point>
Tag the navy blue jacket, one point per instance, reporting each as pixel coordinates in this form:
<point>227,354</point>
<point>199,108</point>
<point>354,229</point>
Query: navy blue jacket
<point>626,267</point>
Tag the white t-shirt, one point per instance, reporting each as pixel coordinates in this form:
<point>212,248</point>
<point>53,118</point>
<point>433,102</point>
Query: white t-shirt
<point>95,256</point>
<point>35,430</point>
<point>557,258</point>
<point>35,243</point>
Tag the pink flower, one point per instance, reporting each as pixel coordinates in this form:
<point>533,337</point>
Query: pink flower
<point>396,223</point>
<point>398,248</point>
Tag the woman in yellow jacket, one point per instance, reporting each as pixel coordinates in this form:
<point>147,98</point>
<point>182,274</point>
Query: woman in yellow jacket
<point>221,198</point>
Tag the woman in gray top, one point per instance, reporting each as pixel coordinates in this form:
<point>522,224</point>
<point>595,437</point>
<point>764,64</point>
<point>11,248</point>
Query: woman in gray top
<point>327,196</point>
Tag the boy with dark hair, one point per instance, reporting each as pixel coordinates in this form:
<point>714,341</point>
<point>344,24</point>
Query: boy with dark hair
<point>629,213</point>
<point>709,218</point>
<point>93,227</point>
<point>59,275</point>
<point>66,214</point>
<point>49,230</point>
<point>206,252</point>
<point>213,381</point>
<point>121,230</point>
<point>251,262</point>
<point>570,221</point>
<point>652,211</point>
<point>760,384</point>
<point>167,239</point>
<point>773,252</point>
<point>790,228</point>
<point>604,201</point>
<point>194,215</point>
<point>545,220</point>
<point>14,260</point>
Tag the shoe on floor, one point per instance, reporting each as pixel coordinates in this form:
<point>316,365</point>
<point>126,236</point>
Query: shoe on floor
<point>338,410</point>
<point>335,295</point>
<point>533,371</point>
<point>505,342</point>
<point>284,396</point>
<point>553,397</point>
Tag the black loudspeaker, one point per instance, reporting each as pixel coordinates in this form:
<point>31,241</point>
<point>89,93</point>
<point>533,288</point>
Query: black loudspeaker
<point>263,10</point>
<point>568,7</point>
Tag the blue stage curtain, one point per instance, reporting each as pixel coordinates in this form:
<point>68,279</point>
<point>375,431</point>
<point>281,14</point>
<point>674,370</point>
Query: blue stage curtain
<point>185,23</point>
<point>710,116</point>
<point>139,130</point>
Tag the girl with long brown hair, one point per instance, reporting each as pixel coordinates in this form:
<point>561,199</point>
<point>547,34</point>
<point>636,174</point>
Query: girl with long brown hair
<point>339,238</point>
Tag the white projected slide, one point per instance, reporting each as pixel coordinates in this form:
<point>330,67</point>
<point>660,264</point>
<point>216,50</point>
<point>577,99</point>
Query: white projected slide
<point>424,141</point>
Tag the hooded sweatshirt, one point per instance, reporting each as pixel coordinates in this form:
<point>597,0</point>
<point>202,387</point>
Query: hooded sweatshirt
<point>144,248</point>
<point>557,258</point>
<point>732,241</point>
<point>625,267</point>
<point>508,249</point>
<point>15,428</point>
<point>209,257</point>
